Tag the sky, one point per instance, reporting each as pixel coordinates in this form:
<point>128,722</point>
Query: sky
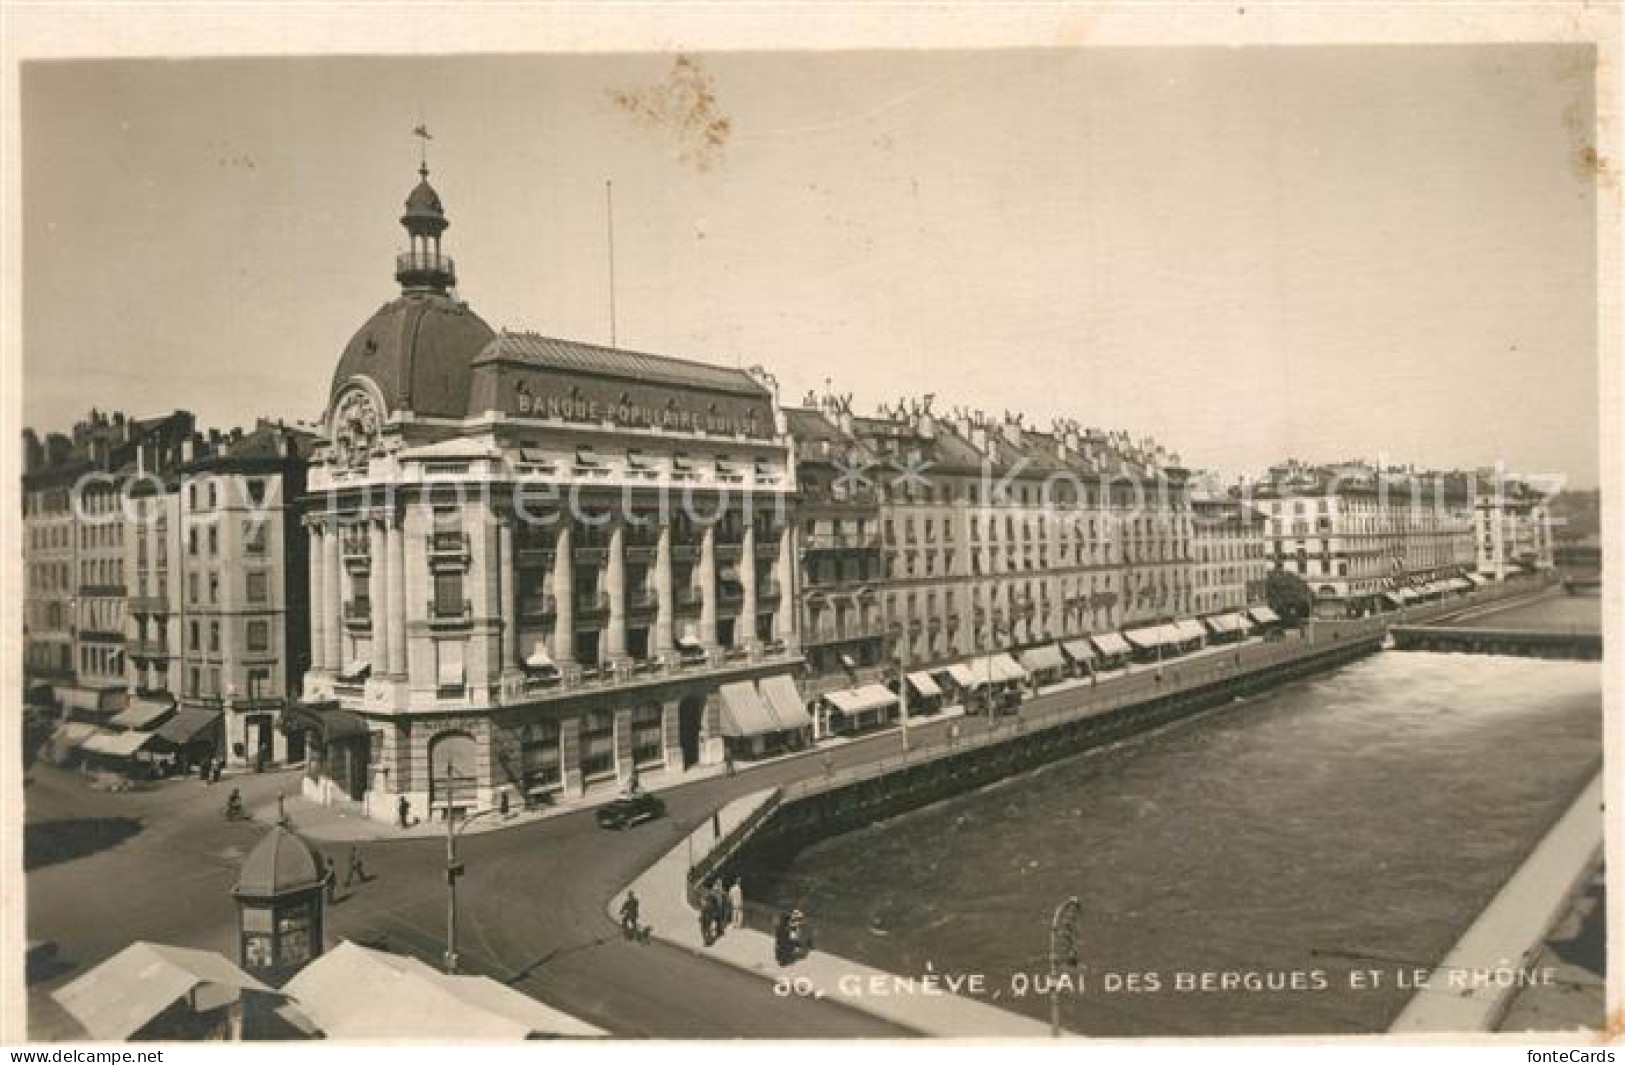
<point>1247,253</point>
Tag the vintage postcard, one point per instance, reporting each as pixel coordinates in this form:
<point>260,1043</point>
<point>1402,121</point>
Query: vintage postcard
<point>1078,523</point>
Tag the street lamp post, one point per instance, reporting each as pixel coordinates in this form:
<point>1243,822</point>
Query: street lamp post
<point>454,868</point>
<point>1063,947</point>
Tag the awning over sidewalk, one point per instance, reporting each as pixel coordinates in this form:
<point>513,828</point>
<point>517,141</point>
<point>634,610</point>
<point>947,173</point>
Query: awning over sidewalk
<point>1263,615</point>
<point>923,685</point>
<point>1148,638</point>
<point>71,736</point>
<point>1478,580</point>
<point>962,676</point>
<point>861,700</point>
<point>1226,623</point>
<point>1038,659</point>
<point>1110,643</point>
<point>744,713</point>
<point>117,744</point>
<point>1187,630</point>
<point>782,698</point>
<point>1079,651</point>
<point>188,725</point>
<point>333,725</point>
<point>143,713</point>
<point>1004,668</point>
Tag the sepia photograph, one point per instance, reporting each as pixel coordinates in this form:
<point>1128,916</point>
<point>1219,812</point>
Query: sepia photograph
<point>1084,539</point>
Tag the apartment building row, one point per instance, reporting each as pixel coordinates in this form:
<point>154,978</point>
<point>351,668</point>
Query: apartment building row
<point>164,580</point>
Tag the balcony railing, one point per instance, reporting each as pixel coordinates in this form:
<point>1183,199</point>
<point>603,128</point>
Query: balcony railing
<point>685,552</point>
<point>539,606</point>
<point>448,545</point>
<point>572,678</point>
<point>687,595</point>
<point>730,593</point>
<point>358,614</point>
<point>449,614</point>
<point>149,649</point>
<point>769,589</point>
<point>844,634</point>
<point>591,556</point>
<point>831,541</point>
<point>642,599</point>
<point>148,604</point>
<point>591,603</point>
<point>411,263</point>
<point>729,552</point>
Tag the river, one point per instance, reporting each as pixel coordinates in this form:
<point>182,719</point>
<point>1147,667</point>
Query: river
<point>1356,820</point>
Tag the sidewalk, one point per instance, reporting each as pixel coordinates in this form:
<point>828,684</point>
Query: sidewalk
<point>1462,994</point>
<point>345,824</point>
<point>909,1003</point>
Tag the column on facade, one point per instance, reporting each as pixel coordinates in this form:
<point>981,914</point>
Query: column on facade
<point>615,585</point>
<point>331,606</point>
<point>708,586</point>
<point>564,616</point>
<point>507,564</point>
<point>745,627</point>
<point>664,609</point>
<point>785,628</point>
<point>319,621</point>
<point>379,594</point>
<point>396,587</point>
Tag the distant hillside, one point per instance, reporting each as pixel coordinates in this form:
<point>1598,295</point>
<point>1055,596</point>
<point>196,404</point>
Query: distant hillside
<point>1577,514</point>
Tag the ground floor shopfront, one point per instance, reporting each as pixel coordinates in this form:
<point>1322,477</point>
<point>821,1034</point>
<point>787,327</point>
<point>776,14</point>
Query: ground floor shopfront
<point>557,748</point>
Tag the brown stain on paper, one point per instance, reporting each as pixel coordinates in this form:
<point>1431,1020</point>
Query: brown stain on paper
<point>684,106</point>
<point>1594,166</point>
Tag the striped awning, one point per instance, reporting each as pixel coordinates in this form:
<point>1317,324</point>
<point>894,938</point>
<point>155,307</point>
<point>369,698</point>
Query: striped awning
<point>782,698</point>
<point>743,711</point>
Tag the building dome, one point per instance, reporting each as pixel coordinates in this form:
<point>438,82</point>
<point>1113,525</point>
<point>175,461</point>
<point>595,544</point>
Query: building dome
<point>417,350</point>
<point>280,864</point>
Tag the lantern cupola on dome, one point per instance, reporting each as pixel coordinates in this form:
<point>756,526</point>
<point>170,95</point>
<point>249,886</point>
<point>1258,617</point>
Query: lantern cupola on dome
<point>422,267</point>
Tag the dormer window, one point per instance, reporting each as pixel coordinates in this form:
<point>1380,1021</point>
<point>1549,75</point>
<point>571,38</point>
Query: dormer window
<point>585,456</point>
<point>636,459</point>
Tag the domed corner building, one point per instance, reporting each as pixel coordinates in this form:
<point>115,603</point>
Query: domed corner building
<point>539,567</point>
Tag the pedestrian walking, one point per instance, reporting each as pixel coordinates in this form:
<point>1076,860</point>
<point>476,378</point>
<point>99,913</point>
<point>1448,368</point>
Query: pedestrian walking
<point>953,734</point>
<point>829,766</point>
<point>219,764</point>
<point>357,872</point>
<point>736,903</point>
<point>783,952</point>
<point>728,762</point>
<point>330,882</point>
<point>719,910</point>
<point>403,810</point>
<point>629,915</point>
<point>707,916</point>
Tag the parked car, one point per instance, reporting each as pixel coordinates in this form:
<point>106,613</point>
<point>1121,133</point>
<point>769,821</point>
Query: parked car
<point>628,810</point>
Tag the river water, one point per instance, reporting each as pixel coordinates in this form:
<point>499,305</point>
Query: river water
<point>1356,820</point>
